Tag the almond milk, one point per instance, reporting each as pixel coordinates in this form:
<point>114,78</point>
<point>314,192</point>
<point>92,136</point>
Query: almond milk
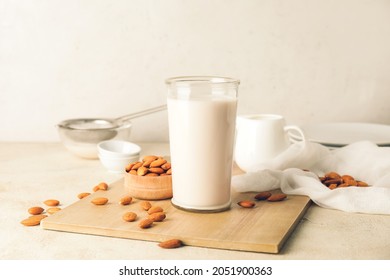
<point>201,131</point>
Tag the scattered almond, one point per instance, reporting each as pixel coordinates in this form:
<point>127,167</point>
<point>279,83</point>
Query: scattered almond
<point>146,205</point>
<point>171,244</point>
<point>126,200</point>
<point>246,204</point>
<point>51,202</point>
<point>101,187</point>
<point>129,216</point>
<point>263,195</point>
<point>99,200</point>
<point>83,194</point>
<point>146,223</point>
<point>53,210</point>
<point>157,216</point>
<point>36,210</point>
<point>154,209</point>
<point>277,197</point>
<point>33,220</point>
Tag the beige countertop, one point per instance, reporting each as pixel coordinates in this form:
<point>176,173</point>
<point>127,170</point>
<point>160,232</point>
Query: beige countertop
<point>33,172</point>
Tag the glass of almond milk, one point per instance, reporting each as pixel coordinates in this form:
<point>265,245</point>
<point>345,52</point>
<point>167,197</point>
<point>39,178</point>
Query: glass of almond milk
<point>202,120</point>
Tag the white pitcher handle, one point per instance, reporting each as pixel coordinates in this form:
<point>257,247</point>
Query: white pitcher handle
<point>297,138</point>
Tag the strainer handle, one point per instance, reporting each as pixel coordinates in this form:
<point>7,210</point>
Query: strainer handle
<point>142,113</point>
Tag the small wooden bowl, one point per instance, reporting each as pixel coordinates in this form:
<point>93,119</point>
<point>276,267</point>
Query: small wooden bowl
<point>148,187</point>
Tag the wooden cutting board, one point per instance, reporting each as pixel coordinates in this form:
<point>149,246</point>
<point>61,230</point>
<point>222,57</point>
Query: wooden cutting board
<point>264,228</point>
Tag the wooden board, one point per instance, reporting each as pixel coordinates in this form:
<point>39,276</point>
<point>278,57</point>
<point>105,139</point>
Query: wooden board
<point>264,228</point>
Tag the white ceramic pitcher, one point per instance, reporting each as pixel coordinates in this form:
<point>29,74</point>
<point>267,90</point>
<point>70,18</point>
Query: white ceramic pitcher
<point>261,137</point>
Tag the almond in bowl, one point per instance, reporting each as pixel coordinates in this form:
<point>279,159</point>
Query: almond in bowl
<point>149,179</point>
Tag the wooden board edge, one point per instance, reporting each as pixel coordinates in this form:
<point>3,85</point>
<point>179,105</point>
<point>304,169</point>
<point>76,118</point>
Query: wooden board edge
<point>188,241</point>
<point>294,225</point>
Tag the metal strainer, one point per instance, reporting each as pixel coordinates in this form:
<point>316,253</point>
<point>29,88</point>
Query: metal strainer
<point>80,136</point>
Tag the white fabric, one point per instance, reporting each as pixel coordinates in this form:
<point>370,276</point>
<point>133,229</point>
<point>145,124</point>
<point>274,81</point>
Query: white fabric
<point>363,160</point>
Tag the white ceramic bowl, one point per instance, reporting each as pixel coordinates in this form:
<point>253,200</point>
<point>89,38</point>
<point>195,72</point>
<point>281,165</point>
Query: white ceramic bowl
<point>118,149</point>
<point>117,164</point>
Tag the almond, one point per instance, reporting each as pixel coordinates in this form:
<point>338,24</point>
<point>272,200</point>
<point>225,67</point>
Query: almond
<point>99,200</point>
<point>147,162</point>
<point>333,181</point>
<point>246,204</point>
<point>146,205</point>
<point>36,210</point>
<point>347,178</point>
<point>332,175</point>
<point>136,165</point>
<point>51,202</point>
<point>134,172</point>
<point>33,220</point>
<point>157,170</point>
<point>129,167</point>
<point>83,194</point>
<point>277,197</point>
<point>126,200</point>
<point>332,186</point>
<point>129,216</point>
<point>142,171</point>
<point>101,187</point>
<point>53,210</point>
<point>157,216</point>
<point>171,244</point>
<point>146,223</point>
<point>350,182</point>
<point>169,171</point>
<point>263,195</point>
<point>30,222</point>
<point>166,166</point>
<point>158,162</point>
<point>362,184</point>
<point>155,209</point>
<point>149,158</point>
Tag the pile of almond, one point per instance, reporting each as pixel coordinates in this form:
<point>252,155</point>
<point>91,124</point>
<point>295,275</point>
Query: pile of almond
<point>334,180</point>
<point>150,166</point>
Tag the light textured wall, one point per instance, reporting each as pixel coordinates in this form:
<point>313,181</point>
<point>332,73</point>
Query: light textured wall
<point>310,60</point>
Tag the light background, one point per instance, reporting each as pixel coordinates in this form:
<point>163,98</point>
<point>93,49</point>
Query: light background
<point>309,60</point>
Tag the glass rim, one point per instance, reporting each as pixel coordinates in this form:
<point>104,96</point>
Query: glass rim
<point>200,79</point>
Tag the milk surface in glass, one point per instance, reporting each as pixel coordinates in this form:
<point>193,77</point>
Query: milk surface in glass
<point>201,131</point>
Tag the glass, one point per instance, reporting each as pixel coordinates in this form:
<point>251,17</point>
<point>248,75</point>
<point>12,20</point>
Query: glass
<point>202,120</point>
